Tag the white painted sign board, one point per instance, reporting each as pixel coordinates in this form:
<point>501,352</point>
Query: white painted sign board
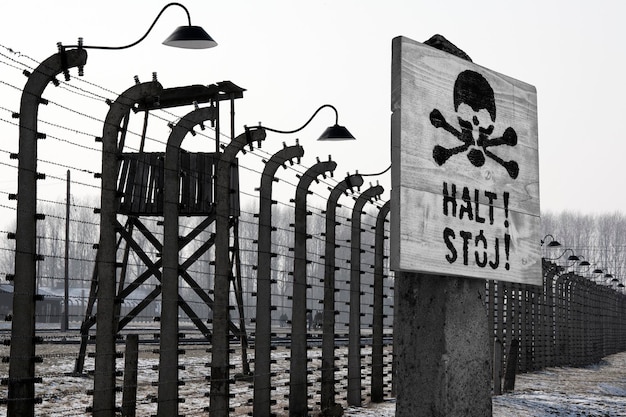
<point>465,169</point>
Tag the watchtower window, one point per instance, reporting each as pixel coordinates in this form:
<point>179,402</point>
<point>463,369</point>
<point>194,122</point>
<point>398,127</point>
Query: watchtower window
<point>141,176</point>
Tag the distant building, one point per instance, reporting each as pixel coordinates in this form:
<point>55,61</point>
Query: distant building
<point>6,300</point>
<point>48,308</point>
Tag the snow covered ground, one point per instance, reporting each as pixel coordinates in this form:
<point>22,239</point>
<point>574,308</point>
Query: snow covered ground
<point>594,391</point>
<point>598,390</point>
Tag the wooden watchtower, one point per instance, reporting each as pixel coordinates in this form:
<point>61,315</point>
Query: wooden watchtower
<point>139,200</point>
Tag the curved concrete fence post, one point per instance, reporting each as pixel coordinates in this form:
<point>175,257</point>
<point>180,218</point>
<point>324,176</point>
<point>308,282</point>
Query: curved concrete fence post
<point>107,322</point>
<point>22,358</point>
<point>263,334</point>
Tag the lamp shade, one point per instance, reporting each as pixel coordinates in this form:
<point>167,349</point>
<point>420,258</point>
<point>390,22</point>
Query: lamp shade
<point>190,37</point>
<point>336,132</point>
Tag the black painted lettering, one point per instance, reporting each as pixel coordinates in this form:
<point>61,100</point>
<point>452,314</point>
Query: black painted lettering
<point>507,245</point>
<point>448,234</point>
<point>466,208</point>
<point>505,197</point>
<point>449,199</point>
<point>492,264</point>
<point>481,238</point>
<point>467,236</point>
<point>491,196</point>
<point>477,207</point>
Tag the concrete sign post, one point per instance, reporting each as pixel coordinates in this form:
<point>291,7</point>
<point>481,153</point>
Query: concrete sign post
<point>464,208</point>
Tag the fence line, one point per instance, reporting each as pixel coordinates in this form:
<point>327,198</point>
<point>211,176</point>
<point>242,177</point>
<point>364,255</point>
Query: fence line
<point>570,320</point>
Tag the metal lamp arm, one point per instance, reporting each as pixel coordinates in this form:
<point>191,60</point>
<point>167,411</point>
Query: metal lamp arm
<point>307,122</point>
<point>561,255</point>
<point>376,173</point>
<point>80,45</point>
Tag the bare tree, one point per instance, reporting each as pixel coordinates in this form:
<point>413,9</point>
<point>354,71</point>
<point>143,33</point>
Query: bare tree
<point>599,239</point>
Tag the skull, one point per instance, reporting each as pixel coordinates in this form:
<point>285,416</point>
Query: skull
<point>475,107</point>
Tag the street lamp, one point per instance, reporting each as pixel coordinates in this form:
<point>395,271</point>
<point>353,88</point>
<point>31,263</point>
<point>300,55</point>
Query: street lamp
<point>594,274</point>
<point>553,242</point>
<point>615,282</point>
<point>189,37</point>
<point>334,132</point>
<point>581,262</point>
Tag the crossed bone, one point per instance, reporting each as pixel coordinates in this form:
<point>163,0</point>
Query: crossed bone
<point>476,157</point>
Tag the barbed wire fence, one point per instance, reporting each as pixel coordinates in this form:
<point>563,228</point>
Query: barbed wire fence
<point>49,237</point>
<point>570,320</point>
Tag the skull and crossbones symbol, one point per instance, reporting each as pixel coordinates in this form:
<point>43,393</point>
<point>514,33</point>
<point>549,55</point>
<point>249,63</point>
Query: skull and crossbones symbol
<point>474,104</point>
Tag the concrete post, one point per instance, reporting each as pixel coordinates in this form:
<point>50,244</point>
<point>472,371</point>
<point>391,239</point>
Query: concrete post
<point>377,316</point>
<point>168,348</point>
<point>443,355</point>
<point>354,328</point>
<point>511,366</point>
<point>106,330</point>
<point>328,326</point>
<point>298,363</point>
<point>497,367</point>
<point>561,320</point>
<point>22,360</point>
<point>263,333</point>
<point>65,320</point>
<point>220,379</point>
<point>131,362</point>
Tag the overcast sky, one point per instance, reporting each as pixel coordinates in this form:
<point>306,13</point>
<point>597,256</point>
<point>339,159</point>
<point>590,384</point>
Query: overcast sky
<point>293,56</point>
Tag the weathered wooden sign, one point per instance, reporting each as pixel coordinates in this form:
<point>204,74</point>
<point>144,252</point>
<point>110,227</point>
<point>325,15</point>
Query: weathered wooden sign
<point>465,174</point>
